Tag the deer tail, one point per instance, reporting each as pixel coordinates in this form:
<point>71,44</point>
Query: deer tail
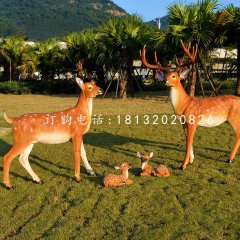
<point>8,118</point>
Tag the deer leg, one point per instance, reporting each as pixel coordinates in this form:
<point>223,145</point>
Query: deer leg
<point>129,181</point>
<point>119,184</point>
<point>13,152</point>
<point>23,159</point>
<point>85,161</point>
<point>236,128</point>
<point>191,158</point>
<point>191,128</point>
<point>235,149</point>
<point>77,141</point>
<point>144,174</point>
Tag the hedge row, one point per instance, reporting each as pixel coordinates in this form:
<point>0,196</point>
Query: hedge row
<point>70,87</point>
<point>39,87</point>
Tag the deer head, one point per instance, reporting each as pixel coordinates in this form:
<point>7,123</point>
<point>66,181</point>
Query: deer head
<point>144,157</point>
<point>181,71</point>
<point>123,167</point>
<point>90,89</point>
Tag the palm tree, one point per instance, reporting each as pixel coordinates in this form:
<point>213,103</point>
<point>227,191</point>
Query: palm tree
<point>11,52</point>
<point>50,57</point>
<point>29,61</point>
<point>193,23</point>
<point>120,41</point>
<point>80,52</point>
<point>229,21</point>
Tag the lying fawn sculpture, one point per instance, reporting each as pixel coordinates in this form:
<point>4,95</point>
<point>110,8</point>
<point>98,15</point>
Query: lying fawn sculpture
<point>193,112</point>
<point>52,128</point>
<point>148,170</point>
<point>112,180</point>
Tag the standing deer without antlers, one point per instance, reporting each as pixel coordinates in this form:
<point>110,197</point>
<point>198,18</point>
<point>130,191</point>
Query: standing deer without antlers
<point>112,180</point>
<point>52,128</point>
<point>193,112</point>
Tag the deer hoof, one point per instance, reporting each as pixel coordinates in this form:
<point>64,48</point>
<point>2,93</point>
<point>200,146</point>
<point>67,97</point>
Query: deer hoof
<point>10,187</point>
<point>229,161</point>
<point>182,168</point>
<point>92,173</point>
<point>78,180</point>
<point>38,182</point>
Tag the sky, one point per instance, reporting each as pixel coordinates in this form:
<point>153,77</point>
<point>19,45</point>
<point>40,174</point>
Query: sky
<point>152,9</point>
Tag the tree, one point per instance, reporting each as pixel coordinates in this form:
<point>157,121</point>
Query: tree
<point>29,62</point>
<point>50,58</point>
<point>80,52</point>
<point>193,23</point>
<point>11,53</point>
<point>121,40</point>
<point>229,21</point>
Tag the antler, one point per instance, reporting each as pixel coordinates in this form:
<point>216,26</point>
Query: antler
<point>144,61</point>
<point>192,55</point>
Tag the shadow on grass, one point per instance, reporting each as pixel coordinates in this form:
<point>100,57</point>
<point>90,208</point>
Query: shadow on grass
<point>27,179</point>
<point>4,147</point>
<point>33,159</point>
<point>113,143</point>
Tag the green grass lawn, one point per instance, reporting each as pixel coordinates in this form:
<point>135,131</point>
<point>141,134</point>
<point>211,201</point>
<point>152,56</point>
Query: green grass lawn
<point>199,203</point>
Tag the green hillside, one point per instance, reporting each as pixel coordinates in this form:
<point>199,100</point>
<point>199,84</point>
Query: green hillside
<point>41,19</point>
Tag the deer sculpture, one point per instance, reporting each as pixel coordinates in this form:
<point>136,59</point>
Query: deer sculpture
<point>192,111</point>
<point>148,170</point>
<point>52,128</point>
<point>112,180</point>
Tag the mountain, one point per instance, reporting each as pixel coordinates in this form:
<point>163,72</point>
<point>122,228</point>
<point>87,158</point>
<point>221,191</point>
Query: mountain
<point>42,19</point>
<point>163,20</point>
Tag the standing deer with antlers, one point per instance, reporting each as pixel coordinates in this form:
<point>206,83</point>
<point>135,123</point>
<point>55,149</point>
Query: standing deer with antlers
<point>208,112</point>
<point>52,128</point>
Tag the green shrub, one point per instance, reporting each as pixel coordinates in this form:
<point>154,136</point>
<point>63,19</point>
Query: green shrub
<point>229,84</point>
<point>157,86</point>
<point>14,88</point>
<point>39,87</point>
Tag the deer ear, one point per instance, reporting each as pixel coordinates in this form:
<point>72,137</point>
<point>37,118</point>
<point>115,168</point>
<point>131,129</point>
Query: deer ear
<point>139,154</point>
<point>151,154</point>
<point>184,73</point>
<point>116,167</point>
<point>79,81</point>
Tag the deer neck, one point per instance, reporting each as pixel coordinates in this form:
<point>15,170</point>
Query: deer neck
<point>144,165</point>
<point>124,174</point>
<point>85,103</point>
<point>179,99</point>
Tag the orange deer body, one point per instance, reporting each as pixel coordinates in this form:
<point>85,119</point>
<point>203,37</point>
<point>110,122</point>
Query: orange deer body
<point>193,112</point>
<point>208,112</point>
<point>112,180</point>
<point>148,170</point>
<point>52,128</point>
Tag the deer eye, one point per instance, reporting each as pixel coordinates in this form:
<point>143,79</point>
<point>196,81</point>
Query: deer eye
<point>173,76</point>
<point>89,87</point>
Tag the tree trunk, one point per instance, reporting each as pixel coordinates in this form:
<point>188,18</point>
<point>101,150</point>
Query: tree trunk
<point>193,82</point>
<point>155,74</point>
<point>123,84</point>
<point>79,66</point>
<point>200,80</point>
<point>237,89</point>
<point>207,77</point>
<point>10,71</point>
